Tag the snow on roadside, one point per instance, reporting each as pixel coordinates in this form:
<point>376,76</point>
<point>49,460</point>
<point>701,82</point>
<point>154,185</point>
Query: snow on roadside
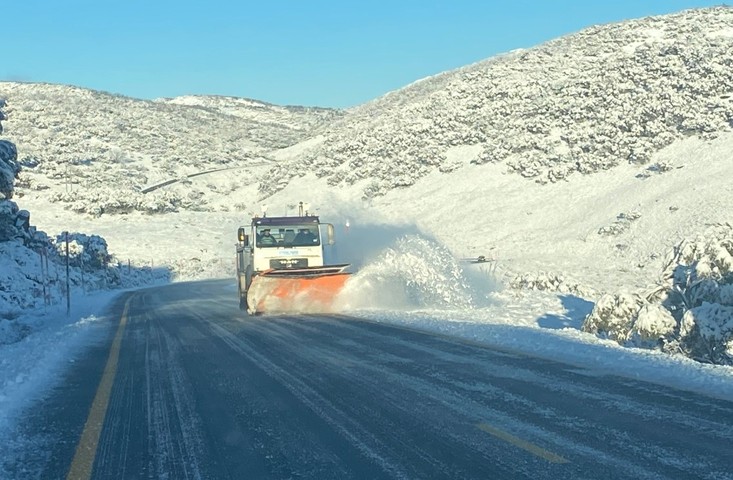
<point>43,344</point>
<point>546,325</point>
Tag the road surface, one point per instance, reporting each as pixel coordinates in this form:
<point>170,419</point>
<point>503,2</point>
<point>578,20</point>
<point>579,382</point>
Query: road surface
<point>188,387</point>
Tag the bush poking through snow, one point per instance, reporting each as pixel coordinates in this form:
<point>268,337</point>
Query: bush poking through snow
<point>690,312</point>
<point>613,316</point>
<point>549,282</point>
<point>85,251</point>
<point>9,168</point>
<point>707,333</point>
<point>631,320</point>
<point>622,223</point>
<point>653,323</point>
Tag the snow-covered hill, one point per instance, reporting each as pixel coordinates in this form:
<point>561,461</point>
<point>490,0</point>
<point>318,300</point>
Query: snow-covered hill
<point>112,146</point>
<point>608,95</point>
<point>623,131</point>
<point>37,270</point>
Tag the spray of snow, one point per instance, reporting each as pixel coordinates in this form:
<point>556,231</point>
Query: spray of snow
<point>413,273</point>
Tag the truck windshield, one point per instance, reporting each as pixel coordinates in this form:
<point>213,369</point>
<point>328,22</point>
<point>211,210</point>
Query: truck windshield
<point>288,236</point>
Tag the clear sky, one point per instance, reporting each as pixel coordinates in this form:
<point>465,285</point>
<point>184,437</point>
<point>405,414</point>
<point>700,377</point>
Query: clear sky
<point>331,53</point>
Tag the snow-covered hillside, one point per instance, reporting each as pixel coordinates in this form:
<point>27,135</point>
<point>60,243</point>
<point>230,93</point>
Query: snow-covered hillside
<point>36,270</point>
<point>606,96</point>
<point>111,147</point>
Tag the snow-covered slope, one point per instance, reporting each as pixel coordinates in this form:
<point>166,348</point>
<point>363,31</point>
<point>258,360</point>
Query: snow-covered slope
<point>53,122</point>
<point>603,97</point>
<point>113,146</point>
<point>36,270</point>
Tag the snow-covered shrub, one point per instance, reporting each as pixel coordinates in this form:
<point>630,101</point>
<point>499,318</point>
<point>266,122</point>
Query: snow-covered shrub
<point>630,320</point>
<point>653,323</point>
<point>701,270</point>
<point>102,201</point>
<point>706,333</point>
<point>622,223</point>
<point>613,316</point>
<point>699,285</point>
<point>9,168</point>
<point>660,167</point>
<point>85,251</point>
<point>550,282</point>
<point>690,312</point>
<point>160,202</point>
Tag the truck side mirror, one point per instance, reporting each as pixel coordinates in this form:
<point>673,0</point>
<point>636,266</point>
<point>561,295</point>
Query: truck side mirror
<point>331,235</point>
<point>242,236</point>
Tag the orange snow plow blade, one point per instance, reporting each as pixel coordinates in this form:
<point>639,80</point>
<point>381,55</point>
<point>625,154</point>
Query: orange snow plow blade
<point>308,290</point>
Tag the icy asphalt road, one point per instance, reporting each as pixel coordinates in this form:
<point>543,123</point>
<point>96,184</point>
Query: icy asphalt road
<point>196,389</point>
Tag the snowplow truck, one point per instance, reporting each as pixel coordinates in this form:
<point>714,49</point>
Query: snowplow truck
<point>280,265</point>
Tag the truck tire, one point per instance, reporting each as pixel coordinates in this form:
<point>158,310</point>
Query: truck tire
<point>244,288</point>
<point>242,291</point>
<point>243,301</point>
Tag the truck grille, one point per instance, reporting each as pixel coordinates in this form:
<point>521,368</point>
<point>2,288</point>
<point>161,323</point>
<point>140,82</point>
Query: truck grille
<point>284,263</point>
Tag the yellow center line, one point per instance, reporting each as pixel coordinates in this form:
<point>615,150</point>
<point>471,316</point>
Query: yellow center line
<point>523,444</point>
<point>86,449</point>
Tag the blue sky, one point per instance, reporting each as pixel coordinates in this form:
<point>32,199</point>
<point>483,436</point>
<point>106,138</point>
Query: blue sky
<point>299,52</point>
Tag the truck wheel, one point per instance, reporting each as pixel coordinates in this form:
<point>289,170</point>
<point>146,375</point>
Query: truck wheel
<point>243,291</point>
<point>243,301</point>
